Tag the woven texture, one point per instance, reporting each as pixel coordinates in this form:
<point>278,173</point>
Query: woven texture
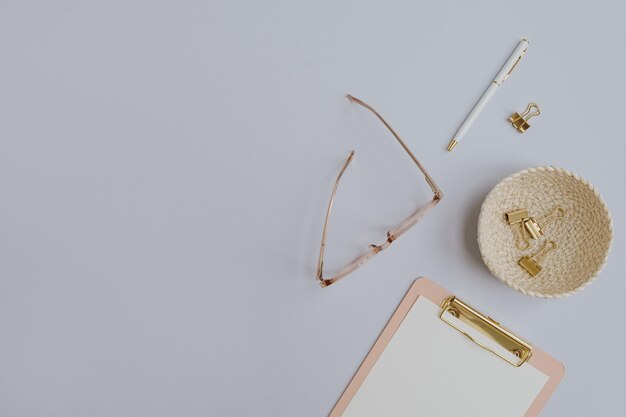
<point>583,236</point>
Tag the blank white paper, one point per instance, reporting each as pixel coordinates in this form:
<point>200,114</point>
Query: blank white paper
<point>431,369</point>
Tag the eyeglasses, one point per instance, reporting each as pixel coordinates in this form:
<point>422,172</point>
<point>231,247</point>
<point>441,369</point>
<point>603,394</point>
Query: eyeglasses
<point>391,235</point>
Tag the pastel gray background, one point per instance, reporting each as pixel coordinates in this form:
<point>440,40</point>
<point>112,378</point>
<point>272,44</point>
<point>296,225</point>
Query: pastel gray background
<point>164,171</point>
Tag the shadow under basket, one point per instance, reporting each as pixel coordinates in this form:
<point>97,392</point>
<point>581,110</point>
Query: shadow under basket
<point>583,236</point>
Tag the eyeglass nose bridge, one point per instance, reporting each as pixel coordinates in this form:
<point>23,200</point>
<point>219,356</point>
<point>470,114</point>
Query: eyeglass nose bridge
<point>385,245</point>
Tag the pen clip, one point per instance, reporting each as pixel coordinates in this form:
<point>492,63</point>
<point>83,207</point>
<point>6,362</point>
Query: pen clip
<point>514,65</point>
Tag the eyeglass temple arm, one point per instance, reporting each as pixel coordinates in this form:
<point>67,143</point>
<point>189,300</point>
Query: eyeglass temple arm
<point>429,180</point>
<point>320,262</point>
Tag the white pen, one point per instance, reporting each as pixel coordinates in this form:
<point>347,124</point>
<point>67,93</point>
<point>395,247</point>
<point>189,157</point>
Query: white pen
<point>504,73</point>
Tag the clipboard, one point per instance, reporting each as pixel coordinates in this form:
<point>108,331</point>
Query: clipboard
<point>439,356</point>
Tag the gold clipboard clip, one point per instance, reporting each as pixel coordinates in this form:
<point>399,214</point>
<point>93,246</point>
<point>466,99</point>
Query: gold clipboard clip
<point>487,327</point>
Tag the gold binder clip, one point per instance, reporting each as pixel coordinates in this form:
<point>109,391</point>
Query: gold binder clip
<point>516,219</point>
<point>462,317</point>
<point>516,216</point>
<point>531,263</point>
<point>535,227</point>
<point>520,121</point>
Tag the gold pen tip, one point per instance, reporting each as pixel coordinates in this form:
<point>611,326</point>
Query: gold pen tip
<point>452,144</point>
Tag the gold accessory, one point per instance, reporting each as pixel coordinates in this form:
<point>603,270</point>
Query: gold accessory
<point>487,327</point>
<point>516,220</point>
<point>535,227</point>
<point>520,121</point>
<point>528,227</point>
<point>516,216</point>
<point>531,263</point>
<point>392,235</point>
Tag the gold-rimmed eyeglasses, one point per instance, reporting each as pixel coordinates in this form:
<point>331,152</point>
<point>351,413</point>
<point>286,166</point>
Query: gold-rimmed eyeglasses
<point>391,235</point>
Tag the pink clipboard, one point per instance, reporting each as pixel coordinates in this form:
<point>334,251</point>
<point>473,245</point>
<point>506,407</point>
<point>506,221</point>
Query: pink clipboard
<point>423,287</point>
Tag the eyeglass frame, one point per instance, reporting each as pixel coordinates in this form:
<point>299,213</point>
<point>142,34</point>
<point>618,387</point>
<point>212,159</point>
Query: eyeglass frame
<point>391,235</point>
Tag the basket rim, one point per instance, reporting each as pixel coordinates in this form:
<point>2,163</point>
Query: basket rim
<point>513,284</point>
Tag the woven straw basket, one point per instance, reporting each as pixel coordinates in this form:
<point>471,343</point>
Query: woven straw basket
<point>583,236</point>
